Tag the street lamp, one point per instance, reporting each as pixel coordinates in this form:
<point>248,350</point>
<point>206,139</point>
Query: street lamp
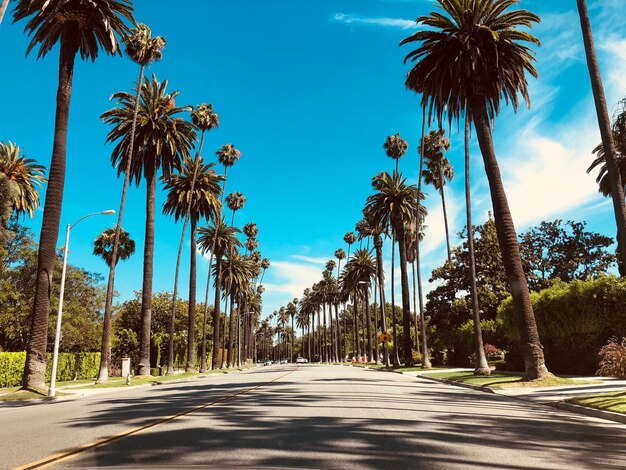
<point>55,354</point>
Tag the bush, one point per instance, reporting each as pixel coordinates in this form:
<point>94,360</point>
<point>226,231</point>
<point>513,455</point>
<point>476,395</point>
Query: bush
<point>574,320</point>
<point>613,359</point>
<point>71,366</point>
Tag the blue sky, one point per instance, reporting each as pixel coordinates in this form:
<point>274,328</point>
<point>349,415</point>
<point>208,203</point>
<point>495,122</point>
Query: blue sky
<point>308,91</point>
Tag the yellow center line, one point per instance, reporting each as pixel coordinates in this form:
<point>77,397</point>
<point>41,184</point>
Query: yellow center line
<point>67,454</point>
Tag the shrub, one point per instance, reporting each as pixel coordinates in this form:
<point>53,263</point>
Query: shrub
<point>574,320</point>
<point>613,359</point>
<point>71,366</point>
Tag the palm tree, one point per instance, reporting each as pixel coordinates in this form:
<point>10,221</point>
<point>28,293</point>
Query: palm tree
<point>612,162</point>
<point>265,263</point>
<point>482,366</point>
<point>25,176</point>
<point>355,279</point>
<point>472,53</point>
<point>193,193</point>
<point>142,49</point>
<point>103,246</point>
<point>396,147</point>
<point>292,310</point>
<point>164,140</point>
<point>84,27</point>
<point>340,254</point>
<point>220,240</point>
<point>412,241</point>
<point>227,155</point>
<point>3,9</point>
<point>395,203</point>
<point>235,201</point>
<point>380,277</point>
<point>438,171</point>
<point>250,230</point>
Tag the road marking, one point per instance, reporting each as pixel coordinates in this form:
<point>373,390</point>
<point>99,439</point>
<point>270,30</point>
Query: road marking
<point>68,454</point>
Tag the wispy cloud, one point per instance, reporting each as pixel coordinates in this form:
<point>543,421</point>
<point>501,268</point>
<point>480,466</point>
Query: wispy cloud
<point>382,21</point>
<point>309,259</point>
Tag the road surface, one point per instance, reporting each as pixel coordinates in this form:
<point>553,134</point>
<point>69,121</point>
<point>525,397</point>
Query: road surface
<point>306,417</point>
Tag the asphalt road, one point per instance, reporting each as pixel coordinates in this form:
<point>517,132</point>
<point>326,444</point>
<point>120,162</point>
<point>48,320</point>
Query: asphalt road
<point>307,417</point>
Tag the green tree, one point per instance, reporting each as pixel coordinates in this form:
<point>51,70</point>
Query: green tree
<point>604,123</point>
<point>143,49</point>
<point>193,193</point>
<point>25,175</point>
<point>103,246</point>
<point>164,139</point>
<point>472,54</point>
<point>395,203</point>
<point>438,170</point>
<point>84,27</point>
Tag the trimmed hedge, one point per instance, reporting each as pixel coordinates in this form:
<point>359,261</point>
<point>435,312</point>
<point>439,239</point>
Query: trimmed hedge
<point>71,366</point>
<point>574,320</point>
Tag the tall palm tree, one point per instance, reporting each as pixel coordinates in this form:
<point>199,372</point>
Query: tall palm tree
<point>395,203</point>
<point>250,230</point>
<point>265,264</point>
<point>235,201</point>
<point>355,279</point>
<point>438,171</point>
<point>103,246</point>
<point>220,240</point>
<point>380,278</point>
<point>143,49</point>
<point>85,27</point>
<point>193,193</point>
<point>292,310</point>
<point>612,162</point>
<point>473,54</point>
<point>164,139</point>
<point>25,175</point>
<point>396,147</point>
<point>482,366</point>
<point>227,155</point>
<point>340,254</point>
<point>412,240</point>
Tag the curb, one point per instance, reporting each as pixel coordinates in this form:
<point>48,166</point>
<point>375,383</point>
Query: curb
<point>593,412</point>
<point>480,388</point>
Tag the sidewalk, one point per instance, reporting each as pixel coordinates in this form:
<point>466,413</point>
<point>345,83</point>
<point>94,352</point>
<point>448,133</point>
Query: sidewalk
<point>550,396</point>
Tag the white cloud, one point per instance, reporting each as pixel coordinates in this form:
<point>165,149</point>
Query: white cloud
<point>286,280</point>
<point>386,22</point>
<point>310,259</point>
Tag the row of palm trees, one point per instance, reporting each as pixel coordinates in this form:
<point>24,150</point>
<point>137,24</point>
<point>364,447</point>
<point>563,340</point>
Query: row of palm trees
<point>152,140</point>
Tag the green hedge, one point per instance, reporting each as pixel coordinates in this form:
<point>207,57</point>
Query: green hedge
<point>574,320</point>
<point>71,366</point>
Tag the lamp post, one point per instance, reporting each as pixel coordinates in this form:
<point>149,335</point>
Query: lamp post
<point>57,337</point>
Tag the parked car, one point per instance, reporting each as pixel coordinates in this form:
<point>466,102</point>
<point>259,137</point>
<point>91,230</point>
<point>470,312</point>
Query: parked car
<point>284,361</point>
<point>267,363</point>
<point>302,360</point>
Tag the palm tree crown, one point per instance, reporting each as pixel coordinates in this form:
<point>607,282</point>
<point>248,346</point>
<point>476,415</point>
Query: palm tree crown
<point>396,147</point>
<point>235,201</point>
<point>250,230</point>
<point>204,118</point>
<point>103,246</point>
<point>205,200</point>
<point>141,47</point>
<point>228,155</point>
<point>471,53</point>
<point>89,25</point>
<point>25,176</point>
<point>225,238</point>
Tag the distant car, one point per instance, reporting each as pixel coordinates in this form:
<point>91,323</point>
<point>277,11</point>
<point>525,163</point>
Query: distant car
<point>267,363</point>
<point>302,360</point>
<point>284,361</point>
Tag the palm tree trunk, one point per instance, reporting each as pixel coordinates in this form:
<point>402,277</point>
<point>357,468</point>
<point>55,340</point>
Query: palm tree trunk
<point>231,332</point>
<point>368,324</point>
<point>378,244</point>
<point>105,349</point>
<point>191,325</point>
<point>148,268</point>
<point>406,298</point>
<point>35,368</point>
<point>326,359</point>
<point>395,356</point>
<point>532,350</point>
<point>337,334</point>
<point>375,346</point>
<point>3,9</point>
<point>418,229</point>
<point>215,360</point>
<point>203,365</point>
<point>415,320</point>
<point>617,190</point>
<point>445,217</point>
<point>482,367</point>
<point>293,338</point>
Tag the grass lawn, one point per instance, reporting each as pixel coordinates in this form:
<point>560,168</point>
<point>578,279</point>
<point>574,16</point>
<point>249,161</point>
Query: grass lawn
<point>613,401</point>
<point>502,380</point>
